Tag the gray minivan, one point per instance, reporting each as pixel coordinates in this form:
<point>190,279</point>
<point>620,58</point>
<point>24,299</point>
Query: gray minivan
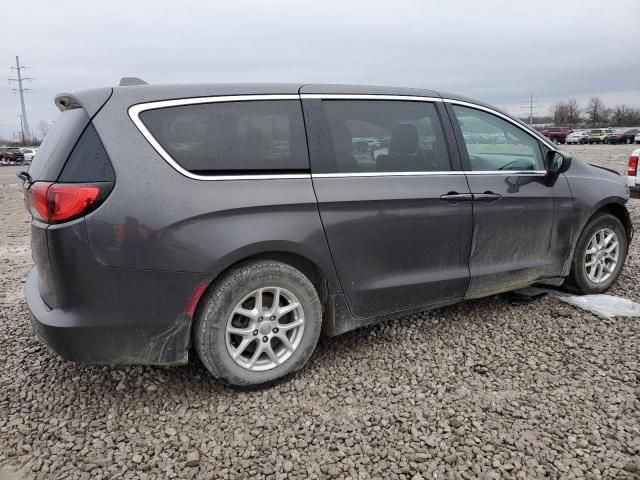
<point>246,219</point>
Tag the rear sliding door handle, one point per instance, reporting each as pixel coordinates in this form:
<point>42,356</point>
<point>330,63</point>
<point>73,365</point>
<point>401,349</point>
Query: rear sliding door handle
<point>486,197</point>
<point>454,197</point>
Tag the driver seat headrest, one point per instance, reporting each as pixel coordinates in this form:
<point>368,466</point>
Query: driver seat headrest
<point>404,139</point>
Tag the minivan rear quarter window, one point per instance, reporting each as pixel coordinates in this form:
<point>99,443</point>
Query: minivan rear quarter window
<point>232,137</point>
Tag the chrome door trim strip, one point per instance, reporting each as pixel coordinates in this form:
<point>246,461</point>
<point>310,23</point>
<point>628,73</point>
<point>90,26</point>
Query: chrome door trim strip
<point>134,112</point>
<point>352,96</point>
<point>429,174</point>
<point>506,172</point>
<point>386,174</point>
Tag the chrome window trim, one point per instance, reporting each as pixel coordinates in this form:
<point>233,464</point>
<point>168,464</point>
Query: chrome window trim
<point>429,174</point>
<point>134,112</point>
<point>506,172</point>
<point>351,96</point>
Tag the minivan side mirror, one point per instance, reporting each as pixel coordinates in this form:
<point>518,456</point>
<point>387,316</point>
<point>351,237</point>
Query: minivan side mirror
<point>555,161</point>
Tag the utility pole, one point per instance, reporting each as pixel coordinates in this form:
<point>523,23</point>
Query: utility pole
<point>532,106</point>
<point>22,129</point>
<point>23,122</point>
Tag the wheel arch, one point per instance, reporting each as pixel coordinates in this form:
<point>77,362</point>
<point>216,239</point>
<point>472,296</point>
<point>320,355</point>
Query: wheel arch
<point>616,207</point>
<point>612,205</point>
<point>312,269</point>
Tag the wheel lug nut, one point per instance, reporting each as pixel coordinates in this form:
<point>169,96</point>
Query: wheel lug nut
<point>265,339</point>
<point>273,317</point>
<point>275,329</point>
<point>255,333</point>
<point>259,319</point>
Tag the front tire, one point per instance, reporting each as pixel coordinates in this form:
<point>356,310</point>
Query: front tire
<point>599,255</point>
<point>259,323</point>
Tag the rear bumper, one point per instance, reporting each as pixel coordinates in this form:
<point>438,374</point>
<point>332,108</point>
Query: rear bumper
<point>83,337</point>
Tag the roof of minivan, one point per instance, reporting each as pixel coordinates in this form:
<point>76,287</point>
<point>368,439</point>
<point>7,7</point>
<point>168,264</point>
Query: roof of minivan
<point>220,89</point>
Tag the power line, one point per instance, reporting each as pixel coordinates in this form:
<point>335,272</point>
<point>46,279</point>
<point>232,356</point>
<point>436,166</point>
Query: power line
<point>532,106</point>
<point>21,90</point>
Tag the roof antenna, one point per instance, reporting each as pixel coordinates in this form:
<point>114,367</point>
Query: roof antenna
<point>129,81</point>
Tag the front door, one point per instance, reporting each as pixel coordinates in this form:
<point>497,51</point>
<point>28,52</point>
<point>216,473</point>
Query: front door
<point>514,213</point>
<point>395,206</point>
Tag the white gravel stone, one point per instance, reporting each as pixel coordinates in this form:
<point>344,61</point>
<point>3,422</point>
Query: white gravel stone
<point>193,458</point>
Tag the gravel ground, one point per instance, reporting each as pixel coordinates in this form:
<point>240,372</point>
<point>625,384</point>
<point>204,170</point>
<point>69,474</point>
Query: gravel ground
<point>478,390</point>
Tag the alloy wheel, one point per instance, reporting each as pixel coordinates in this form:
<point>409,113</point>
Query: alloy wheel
<point>264,329</point>
<point>601,256</point>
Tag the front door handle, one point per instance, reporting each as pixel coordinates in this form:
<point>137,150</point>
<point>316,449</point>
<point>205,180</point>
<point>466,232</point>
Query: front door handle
<point>455,197</point>
<point>486,197</point>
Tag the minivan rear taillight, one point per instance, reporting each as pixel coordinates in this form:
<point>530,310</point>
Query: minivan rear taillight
<point>632,169</point>
<point>60,202</point>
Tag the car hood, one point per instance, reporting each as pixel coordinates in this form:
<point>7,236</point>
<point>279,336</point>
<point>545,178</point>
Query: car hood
<point>603,168</point>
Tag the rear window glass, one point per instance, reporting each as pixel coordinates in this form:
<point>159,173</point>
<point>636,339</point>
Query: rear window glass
<point>230,137</point>
<point>57,145</point>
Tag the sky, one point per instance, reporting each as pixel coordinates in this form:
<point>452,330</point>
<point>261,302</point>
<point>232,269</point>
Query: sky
<point>498,51</point>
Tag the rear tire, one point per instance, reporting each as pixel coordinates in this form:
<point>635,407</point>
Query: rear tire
<point>581,279</point>
<point>249,358</point>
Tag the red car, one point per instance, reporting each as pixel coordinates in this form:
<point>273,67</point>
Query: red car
<point>11,154</point>
<point>557,134</point>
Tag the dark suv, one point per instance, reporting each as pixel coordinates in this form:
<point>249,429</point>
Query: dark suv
<point>244,220</point>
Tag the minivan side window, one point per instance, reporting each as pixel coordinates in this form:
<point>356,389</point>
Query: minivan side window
<point>232,137</point>
<point>495,144</point>
<point>385,136</point>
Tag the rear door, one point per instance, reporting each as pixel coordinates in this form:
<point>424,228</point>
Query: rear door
<point>517,208</point>
<point>393,201</point>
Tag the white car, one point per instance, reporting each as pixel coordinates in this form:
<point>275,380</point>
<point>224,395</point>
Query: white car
<point>637,138</point>
<point>578,136</point>
<point>28,153</point>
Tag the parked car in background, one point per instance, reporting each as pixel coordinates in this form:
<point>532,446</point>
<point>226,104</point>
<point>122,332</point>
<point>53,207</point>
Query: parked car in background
<point>11,155</point>
<point>577,136</point>
<point>28,153</point>
<point>557,134</point>
<point>598,135</point>
<point>624,136</point>
<point>277,230</point>
<point>633,182</point>
<point>638,137</point>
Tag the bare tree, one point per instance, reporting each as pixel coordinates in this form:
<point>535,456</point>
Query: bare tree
<point>597,113</point>
<point>623,116</point>
<point>559,113</point>
<point>566,113</point>
<point>573,112</point>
